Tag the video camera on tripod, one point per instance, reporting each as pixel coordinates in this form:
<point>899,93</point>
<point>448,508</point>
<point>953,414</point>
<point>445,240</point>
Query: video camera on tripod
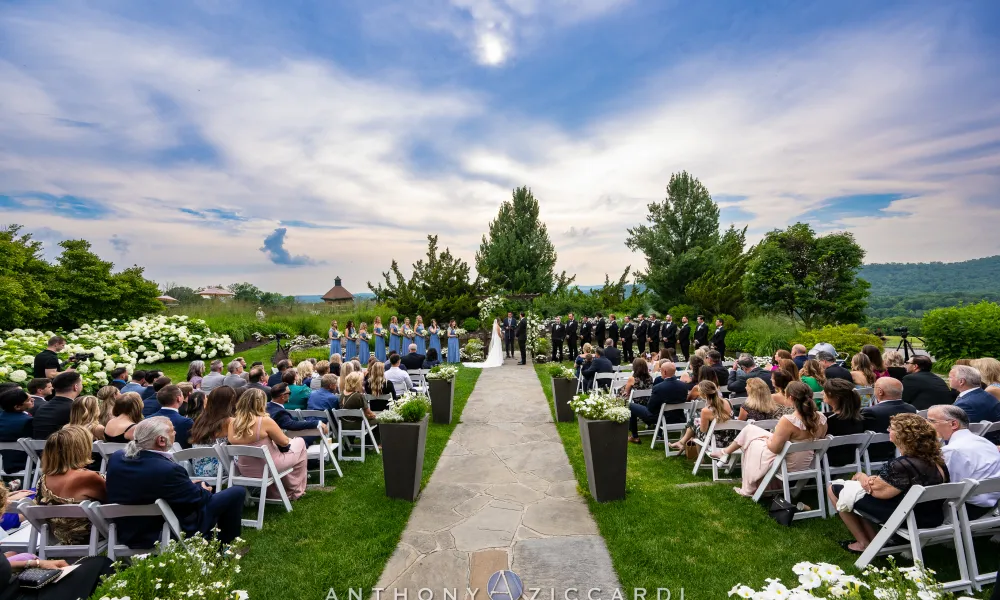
<point>904,343</point>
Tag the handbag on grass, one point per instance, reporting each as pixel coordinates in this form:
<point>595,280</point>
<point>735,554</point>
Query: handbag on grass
<point>691,450</point>
<point>782,511</point>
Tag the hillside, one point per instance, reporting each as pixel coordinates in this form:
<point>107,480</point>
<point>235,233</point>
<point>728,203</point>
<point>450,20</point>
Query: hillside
<point>902,279</point>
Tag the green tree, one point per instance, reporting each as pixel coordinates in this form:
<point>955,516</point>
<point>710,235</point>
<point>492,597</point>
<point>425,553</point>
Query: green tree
<point>24,277</point>
<point>83,288</point>
<point>680,229</point>
<point>439,287</point>
<point>136,294</point>
<point>814,279</point>
<point>518,255</point>
<point>245,292</point>
<point>720,288</point>
<point>182,294</point>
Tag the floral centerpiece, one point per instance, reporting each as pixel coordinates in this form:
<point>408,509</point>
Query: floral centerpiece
<point>195,570</point>
<point>561,372</point>
<point>603,418</point>
<point>443,372</point>
<point>404,436</point>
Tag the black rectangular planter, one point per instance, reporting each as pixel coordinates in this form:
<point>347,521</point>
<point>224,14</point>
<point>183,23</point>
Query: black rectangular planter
<point>403,458</point>
<point>562,392</point>
<point>442,394</point>
<point>605,450</point>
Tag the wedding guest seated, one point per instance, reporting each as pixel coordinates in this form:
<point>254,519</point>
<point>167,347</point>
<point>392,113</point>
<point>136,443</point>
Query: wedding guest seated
<point>106,398</point>
<point>15,423</point>
<point>212,427</point>
<point>214,379</point>
<point>596,363</point>
<point>195,373</point>
<point>354,399</point>
<point>800,355</point>
<point>194,404</point>
<point>894,366</point>
<point>713,358</point>
<point>845,417</point>
<point>412,361</point>
<point>760,404</point>
<point>989,371</point>
<point>638,380</point>
<point>235,378</point>
<point>170,399</point>
<point>136,385</point>
<point>277,412</point>
<point>812,375</point>
<point>124,417</point>
<point>66,480</point>
<point>716,409</point>
<point>780,355</point>
<point>275,378</point>
<point>376,384</point>
<point>150,405</point>
<point>55,413</point>
<point>613,354</point>
<point>788,366</point>
<point>888,394</point>
<point>581,358</point>
<point>86,412</point>
<point>431,361</point>
<point>305,371</point>
<point>321,368</point>
<point>830,367</point>
<point>397,377</point>
<point>760,447</point>
<point>87,573</point>
<point>345,370</point>
<point>326,398</point>
<point>967,455</point>
<point>258,380</point>
<point>744,369</point>
<point>920,463</point>
<point>119,377</point>
<point>690,375</point>
<point>780,381</point>
<point>668,354</point>
<point>705,373</point>
<point>251,426</point>
<point>150,389</point>
<point>979,404</point>
<point>875,357</point>
<point>298,394</point>
<point>12,519</point>
<point>144,473</point>
<point>862,373</point>
<point>922,388</point>
<point>39,389</point>
<point>668,389</point>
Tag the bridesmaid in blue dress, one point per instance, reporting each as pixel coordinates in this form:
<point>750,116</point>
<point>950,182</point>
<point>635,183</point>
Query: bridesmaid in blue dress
<point>420,331</point>
<point>454,354</point>
<point>363,348</point>
<point>407,339</point>
<point>435,341</point>
<point>379,339</point>
<point>394,335</point>
<point>334,338</point>
<point>352,341</point>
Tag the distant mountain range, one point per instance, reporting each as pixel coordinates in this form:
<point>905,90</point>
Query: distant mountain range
<point>895,279</point>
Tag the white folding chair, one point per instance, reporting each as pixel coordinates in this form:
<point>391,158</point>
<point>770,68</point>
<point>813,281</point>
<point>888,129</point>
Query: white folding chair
<point>598,377</point>
<point>635,394</point>
<point>860,442</point>
<point>106,514</point>
<point>768,424</point>
<point>995,426</point>
<point>322,451</point>
<point>270,476</point>
<point>681,366</point>
<point>988,524</point>
<point>867,394</point>
<point>359,428</point>
<point>922,413</point>
<point>736,404</point>
<point>378,403</point>
<point>43,544</point>
<point>185,458</point>
<point>667,428</point>
<point>619,381</point>
<point>877,438</point>
<point>903,522</point>
<point>709,445</point>
<point>25,473</point>
<point>106,449</point>
<point>724,391</point>
<point>33,448</point>
<point>418,378</point>
<point>980,427</point>
<point>813,473</point>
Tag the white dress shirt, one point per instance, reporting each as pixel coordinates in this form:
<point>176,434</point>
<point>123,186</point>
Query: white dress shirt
<point>971,456</point>
<point>400,380</point>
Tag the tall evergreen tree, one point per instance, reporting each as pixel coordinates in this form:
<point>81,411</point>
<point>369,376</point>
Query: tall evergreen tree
<point>720,289</point>
<point>517,255</point>
<point>24,278</point>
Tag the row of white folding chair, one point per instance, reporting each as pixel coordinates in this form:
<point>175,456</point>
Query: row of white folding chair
<point>324,450</point>
<point>25,472</point>
<point>270,476</point>
<point>988,524</point>
<point>689,408</point>
<point>730,425</point>
<point>867,394</point>
<point>418,377</point>
<point>360,429</point>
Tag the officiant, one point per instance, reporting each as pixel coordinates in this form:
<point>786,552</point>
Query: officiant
<point>509,324</point>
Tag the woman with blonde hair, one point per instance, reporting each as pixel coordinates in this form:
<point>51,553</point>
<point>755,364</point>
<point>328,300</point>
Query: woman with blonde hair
<point>251,426</point>
<point>717,409</point>
<point>375,382</point>
<point>126,415</point>
<point>862,371</point>
<point>354,398</point>
<point>989,369</point>
<point>580,360</point>
<point>86,412</point>
<point>304,370</point>
<point>760,405</point>
<point>813,375</point>
<point>893,362</point>
<point>66,480</point>
<point>346,369</point>
<point>106,397</point>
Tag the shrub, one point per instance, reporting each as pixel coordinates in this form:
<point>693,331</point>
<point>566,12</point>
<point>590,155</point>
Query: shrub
<point>762,336</point>
<point>474,349</point>
<point>414,411</point>
<point>682,310</point>
<point>847,339</point>
<point>558,371</point>
<point>970,331</point>
<point>471,324</point>
<point>543,349</point>
<point>728,321</point>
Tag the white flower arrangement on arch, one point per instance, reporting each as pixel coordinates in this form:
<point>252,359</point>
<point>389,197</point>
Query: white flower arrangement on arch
<point>488,307</point>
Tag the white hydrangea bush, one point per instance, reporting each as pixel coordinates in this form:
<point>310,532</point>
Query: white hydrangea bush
<point>114,343</point>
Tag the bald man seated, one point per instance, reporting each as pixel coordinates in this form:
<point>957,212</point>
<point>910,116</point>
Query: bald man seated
<point>889,398</point>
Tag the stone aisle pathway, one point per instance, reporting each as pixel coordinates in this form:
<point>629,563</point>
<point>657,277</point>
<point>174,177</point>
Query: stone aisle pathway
<point>503,496</point>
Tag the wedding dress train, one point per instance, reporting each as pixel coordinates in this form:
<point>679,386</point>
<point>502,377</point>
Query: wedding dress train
<point>494,356</point>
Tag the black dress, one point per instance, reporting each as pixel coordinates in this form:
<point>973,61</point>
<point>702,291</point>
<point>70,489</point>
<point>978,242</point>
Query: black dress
<point>835,426</point>
<point>903,473</point>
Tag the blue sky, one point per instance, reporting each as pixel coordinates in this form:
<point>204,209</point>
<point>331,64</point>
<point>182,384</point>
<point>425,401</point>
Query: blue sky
<point>287,143</point>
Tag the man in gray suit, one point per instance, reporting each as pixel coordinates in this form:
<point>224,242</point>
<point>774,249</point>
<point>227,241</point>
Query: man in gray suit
<point>214,379</point>
<point>235,378</point>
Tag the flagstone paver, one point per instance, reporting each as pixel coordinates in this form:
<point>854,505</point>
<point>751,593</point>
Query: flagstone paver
<point>503,495</point>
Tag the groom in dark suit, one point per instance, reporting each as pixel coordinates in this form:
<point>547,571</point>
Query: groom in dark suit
<point>558,334</point>
<point>508,335</point>
<point>571,327</point>
<point>684,337</point>
<point>700,333</point>
<point>522,337</point>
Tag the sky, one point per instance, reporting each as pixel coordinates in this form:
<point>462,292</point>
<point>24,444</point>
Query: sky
<point>287,143</point>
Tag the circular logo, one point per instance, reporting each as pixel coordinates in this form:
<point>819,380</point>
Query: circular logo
<point>504,585</point>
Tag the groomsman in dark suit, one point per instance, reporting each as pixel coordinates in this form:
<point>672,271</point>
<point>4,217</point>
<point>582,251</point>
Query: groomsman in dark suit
<point>586,332</point>
<point>571,326</point>
<point>508,335</point>
<point>684,337</point>
<point>558,334</point>
<point>628,329</point>
<point>522,338</point>
<point>600,330</point>
<point>700,333</point>
<point>641,325</point>
<point>653,335</point>
<point>668,331</point>
<point>613,331</point>
<point>719,338</point>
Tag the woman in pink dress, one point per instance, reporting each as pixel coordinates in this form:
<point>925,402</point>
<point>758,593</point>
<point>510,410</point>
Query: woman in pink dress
<point>251,426</point>
<point>760,447</point>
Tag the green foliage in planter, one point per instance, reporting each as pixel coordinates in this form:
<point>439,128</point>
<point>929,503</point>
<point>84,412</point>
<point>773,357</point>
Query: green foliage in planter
<point>560,372</point>
<point>415,410</point>
<point>970,331</point>
<point>847,339</point>
<point>471,324</point>
<point>763,335</point>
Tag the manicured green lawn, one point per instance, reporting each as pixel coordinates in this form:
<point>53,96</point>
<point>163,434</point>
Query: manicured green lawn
<point>705,538</point>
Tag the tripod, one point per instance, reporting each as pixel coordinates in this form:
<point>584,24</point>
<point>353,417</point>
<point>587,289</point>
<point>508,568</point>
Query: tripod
<point>906,347</point>
<point>280,352</point>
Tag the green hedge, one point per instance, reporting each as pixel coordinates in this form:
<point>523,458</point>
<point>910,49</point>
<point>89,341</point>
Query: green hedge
<point>970,331</point>
<point>847,339</point>
<point>762,336</point>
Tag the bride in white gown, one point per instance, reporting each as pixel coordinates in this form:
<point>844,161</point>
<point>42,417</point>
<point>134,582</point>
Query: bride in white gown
<point>494,356</point>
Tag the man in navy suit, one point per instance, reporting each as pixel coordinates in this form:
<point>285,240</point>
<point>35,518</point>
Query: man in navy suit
<point>889,397</point>
<point>170,399</point>
<point>669,390</point>
<point>276,410</point>
<point>979,404</point>
<point>508,335</point>
<point>594,365</point>
<point>147,473</point>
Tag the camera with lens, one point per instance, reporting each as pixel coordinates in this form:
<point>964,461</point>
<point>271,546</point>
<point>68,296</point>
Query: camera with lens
<point>902,331</point>
<point>78,357</point>
<point>279,335</point>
